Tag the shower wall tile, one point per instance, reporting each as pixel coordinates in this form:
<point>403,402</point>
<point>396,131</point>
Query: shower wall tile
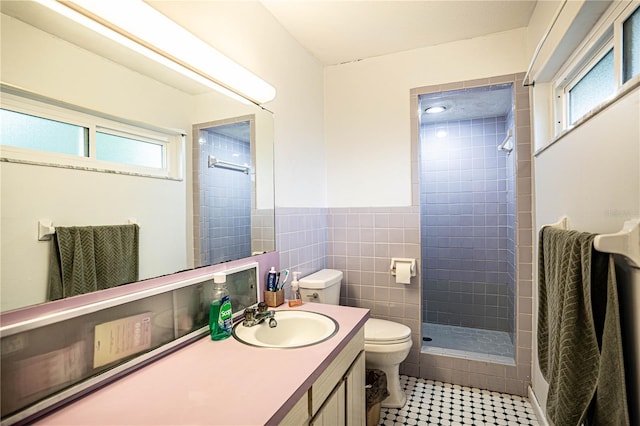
<point>301,239</point>
<point>262,230</point>
<point>465,224</point>
<point>225,195</point>
<point>372,236</point>
<point>512,178</point>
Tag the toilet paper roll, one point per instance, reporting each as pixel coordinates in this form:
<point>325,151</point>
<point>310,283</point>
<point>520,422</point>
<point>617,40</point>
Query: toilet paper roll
<point>403,273</point>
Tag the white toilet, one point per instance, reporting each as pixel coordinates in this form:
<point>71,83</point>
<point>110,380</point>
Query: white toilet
<point>386,343</point>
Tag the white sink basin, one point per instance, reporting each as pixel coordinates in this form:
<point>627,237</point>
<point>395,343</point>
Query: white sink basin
<point>295,329</point>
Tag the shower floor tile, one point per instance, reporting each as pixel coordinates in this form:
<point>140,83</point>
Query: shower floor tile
<point>468,343</point>
<point>431,403</point>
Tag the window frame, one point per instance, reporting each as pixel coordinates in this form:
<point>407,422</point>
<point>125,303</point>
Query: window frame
<point>137,135</point>
<point>606,35</point>
<point>600,53</point>
<point>172,141</point>
<point>620,29</point>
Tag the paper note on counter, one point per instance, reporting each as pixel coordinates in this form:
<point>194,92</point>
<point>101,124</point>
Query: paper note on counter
<point>118,339</point>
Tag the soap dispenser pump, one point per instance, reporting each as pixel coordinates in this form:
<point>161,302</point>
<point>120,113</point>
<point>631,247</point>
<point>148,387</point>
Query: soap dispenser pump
<point>296,297</point>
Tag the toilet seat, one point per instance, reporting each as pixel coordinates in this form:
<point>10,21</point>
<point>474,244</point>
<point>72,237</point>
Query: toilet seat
<point>383,332</point>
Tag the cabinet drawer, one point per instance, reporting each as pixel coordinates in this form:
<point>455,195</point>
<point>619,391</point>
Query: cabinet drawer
<point>328,380</point>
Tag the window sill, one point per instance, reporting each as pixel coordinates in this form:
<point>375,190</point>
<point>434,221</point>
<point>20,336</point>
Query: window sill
<point>87,169</point>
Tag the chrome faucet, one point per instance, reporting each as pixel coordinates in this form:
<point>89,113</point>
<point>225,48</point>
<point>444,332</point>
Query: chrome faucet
<point>253,316</point>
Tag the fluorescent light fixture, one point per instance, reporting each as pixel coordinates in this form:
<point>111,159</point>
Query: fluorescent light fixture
<point>143,29</point>
<point>435,109</point>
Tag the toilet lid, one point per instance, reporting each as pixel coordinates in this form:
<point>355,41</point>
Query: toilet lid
<point>385,332</point>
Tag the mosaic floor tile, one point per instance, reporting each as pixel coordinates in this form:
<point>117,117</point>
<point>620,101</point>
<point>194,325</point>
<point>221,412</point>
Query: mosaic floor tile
<point>432,403</point>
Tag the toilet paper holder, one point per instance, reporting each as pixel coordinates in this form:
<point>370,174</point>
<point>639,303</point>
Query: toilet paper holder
<point>397,260</point>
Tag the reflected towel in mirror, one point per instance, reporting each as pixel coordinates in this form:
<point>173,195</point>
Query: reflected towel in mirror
<point>89,258</point>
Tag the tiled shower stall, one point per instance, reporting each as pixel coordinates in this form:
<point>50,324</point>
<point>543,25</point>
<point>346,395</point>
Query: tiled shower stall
<point>468,232</point>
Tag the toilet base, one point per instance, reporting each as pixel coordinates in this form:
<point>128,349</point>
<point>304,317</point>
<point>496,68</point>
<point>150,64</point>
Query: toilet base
<point>397,398</point>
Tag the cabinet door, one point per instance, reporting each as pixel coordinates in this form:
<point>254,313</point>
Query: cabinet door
<point>336,371</point>
<point>355,393</point>
<point>299,414</point>
<point>332,412</point>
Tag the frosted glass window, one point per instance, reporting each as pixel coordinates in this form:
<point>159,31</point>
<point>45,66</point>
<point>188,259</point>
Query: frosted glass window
<point>27,131</point>
<point>120,149</point>
<point>631,45</point>
<point>592,89</point>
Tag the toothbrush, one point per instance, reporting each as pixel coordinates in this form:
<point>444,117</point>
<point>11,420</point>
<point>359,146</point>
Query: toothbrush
<point>284,280</point>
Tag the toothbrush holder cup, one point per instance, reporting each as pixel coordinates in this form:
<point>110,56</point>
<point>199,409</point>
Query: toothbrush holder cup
<point>274,298</point>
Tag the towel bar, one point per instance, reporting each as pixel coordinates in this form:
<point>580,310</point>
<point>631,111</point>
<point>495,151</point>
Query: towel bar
<point>563,223</point>
<point>626,242</point>
<point>46,228</point>
<point>215,162</point>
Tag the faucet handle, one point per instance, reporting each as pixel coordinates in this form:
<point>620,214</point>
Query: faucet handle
<point>249,314</point>
<point>262,307</point>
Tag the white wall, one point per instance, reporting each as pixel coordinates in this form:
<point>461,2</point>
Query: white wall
<point>539,23</point>
<point>592,176</point>
<point>367,127</point>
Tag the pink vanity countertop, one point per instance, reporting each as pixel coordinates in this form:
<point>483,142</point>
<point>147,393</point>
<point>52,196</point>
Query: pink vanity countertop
<point>215,383</point>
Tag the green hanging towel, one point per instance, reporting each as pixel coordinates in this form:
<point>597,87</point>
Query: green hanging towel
<point>90,258</point>
<point>579,338</point>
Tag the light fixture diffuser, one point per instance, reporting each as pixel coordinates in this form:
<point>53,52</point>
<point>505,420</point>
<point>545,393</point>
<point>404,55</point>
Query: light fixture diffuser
<point>435,109</point>
<point>143,25</point>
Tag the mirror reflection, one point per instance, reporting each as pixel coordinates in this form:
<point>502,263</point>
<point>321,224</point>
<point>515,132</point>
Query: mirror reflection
<point>52,68</point>
<point>230,225</point>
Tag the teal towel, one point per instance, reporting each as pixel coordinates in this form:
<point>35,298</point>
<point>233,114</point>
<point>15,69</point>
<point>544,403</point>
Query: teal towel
<point>91,258</point>
<point>579,338</point>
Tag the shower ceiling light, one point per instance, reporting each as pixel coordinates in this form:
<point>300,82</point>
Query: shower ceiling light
<point>441,133</point>
<point>435,109</point>
<point>140,27</point>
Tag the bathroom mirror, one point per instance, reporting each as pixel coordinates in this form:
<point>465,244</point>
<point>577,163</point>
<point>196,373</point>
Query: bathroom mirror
<point>55,62</point>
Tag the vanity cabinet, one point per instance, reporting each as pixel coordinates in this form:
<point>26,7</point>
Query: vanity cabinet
<point>337,397</point>
<point>320,384</point>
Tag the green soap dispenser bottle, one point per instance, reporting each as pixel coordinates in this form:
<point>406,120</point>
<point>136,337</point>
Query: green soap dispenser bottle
<point>220,314</point>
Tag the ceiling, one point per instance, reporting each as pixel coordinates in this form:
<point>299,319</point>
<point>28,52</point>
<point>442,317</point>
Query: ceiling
<point>343,31</point>
<point>467,104</point>
<point>338,31</point>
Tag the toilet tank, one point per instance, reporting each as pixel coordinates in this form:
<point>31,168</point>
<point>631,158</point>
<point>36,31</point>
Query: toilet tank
<point>322,287</point>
